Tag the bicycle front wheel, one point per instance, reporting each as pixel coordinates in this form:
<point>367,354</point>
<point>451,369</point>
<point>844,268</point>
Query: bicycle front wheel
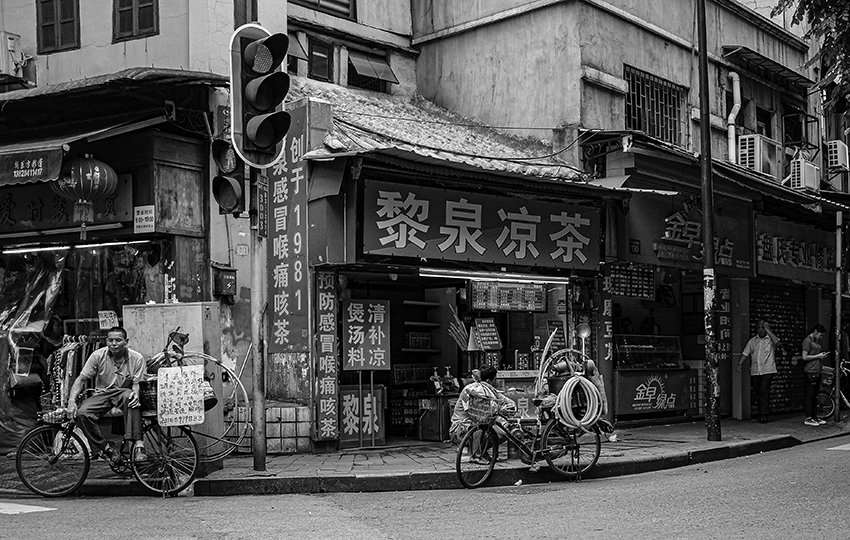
<point>51,462</point>
<point>570,452</point>
<point>826,406</point>
<point>476,456</point>
<point>172,459</point>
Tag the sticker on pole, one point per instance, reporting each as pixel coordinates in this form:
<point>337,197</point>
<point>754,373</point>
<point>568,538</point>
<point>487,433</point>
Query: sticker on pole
<point>180,396</point>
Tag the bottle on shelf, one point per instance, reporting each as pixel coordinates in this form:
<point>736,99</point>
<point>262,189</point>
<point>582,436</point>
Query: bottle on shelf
<point>438,384</point>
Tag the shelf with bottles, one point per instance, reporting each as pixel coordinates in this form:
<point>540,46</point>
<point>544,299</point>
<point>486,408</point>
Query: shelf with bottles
<point>648,352</point>
<point>418,337</point>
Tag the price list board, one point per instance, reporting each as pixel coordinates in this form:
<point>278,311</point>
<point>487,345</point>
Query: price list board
<point>633,281</point>
<point>500,296</point>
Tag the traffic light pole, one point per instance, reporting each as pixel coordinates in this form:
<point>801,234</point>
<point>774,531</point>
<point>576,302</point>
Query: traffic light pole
<point>258,265</point>
<point>709,286</point>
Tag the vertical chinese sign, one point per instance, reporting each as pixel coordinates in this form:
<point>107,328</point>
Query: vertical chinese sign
<point>366,345</point>
<point>327,374</point>
<point>288,275</point>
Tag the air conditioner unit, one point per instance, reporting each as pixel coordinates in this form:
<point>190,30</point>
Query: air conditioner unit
<point>12,58</point>
<point>760,153</point>
<point>836,156</point>
<point>804,176</point>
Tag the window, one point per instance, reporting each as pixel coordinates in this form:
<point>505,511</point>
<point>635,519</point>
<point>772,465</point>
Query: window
<point>654,106</point>
<point>764,122</point>
<point>369,71</point>
<point>135,19</point>
<point>340,8</point>
<point>321,60</point>
<point>58,25</point>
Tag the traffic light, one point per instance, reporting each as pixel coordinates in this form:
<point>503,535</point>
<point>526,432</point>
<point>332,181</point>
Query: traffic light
<point>228,186</point>
<point>257,89</point>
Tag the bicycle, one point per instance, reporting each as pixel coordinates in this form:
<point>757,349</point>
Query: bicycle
<point>53,460</point>
<point>568,452</point>
<point>236,397</point>
<point>826,398</point>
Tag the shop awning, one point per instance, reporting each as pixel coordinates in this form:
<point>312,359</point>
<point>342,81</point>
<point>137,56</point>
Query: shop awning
<point>371,66</point>
<point>41,160</point>
<point>746,55</point>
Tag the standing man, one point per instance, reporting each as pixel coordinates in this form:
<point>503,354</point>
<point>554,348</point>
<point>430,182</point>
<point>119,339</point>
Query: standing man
<point>761,350</point>
<point>117,371</point>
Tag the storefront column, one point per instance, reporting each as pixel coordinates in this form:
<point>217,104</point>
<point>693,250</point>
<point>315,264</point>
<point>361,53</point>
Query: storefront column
<point>740,335</point>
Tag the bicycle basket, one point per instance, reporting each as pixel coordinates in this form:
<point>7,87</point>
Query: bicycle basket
<point>482,409</point>
<point>54,417</point>
<point>148,390</point>
<point>827,375</point>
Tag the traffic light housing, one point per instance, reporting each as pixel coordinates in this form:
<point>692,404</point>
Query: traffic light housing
<point>258,89</point>
<point>228,185</point>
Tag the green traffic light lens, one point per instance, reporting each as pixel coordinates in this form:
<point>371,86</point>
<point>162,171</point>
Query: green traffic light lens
<point>227,159</point>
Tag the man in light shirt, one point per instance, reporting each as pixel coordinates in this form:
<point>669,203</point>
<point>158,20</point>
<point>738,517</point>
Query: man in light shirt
<point>761,350</point>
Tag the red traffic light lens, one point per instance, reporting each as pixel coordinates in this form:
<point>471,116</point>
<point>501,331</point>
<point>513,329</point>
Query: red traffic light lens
<point>265,55</point>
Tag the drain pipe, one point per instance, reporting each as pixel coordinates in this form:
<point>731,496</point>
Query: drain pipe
<point>730,120</point>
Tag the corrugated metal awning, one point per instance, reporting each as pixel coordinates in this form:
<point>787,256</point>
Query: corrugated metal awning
<point>745,54</point>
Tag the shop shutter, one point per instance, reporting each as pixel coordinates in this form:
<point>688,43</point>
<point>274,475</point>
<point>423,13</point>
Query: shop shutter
<point>784,307</point>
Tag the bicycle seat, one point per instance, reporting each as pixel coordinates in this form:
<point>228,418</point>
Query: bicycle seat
<point>179,338</point>
<point>536,401</point>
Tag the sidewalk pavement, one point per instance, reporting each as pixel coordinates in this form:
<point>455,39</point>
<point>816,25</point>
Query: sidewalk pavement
<point>432,465</point>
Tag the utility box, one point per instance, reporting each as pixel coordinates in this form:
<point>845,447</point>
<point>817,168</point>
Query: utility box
<point>148,326</point>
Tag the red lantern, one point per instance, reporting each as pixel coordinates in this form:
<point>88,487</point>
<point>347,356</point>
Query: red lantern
<point>84,180</point>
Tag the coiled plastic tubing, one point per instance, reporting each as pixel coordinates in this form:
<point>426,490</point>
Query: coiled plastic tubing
<point>564,412</point>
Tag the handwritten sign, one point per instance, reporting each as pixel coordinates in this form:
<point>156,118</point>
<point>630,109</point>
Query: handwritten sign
<point>180,396</point>
<point>107,319</point>
<point>484,336</point>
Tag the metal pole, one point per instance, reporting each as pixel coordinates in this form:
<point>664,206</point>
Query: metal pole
<point>259,391</point>
<point>836,397</point>
<point>712,413</point>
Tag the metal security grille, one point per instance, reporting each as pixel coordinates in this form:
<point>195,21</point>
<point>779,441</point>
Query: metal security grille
<point>654,106</point>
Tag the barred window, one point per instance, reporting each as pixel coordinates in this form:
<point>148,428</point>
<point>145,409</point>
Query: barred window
<point>654,106</point>
<point>134,19</point>
<point>58,25</point>
<point>340,8</point>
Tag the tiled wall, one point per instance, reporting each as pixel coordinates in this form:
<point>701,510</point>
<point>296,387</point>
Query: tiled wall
<point>287,430</point>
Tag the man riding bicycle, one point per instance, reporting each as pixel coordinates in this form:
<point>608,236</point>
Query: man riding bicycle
<point>117,371</point>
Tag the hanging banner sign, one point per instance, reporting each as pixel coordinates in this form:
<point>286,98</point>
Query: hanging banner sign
<point>366,335</point>
<point>421,222</point>
<point>180,396</point>
<point>288,282</point>
<point>327,365</point>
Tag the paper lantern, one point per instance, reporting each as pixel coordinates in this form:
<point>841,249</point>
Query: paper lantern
<point>85,180</point>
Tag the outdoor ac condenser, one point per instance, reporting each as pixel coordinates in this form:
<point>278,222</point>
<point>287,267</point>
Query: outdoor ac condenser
<point>760,153</point>
<point>804,176</point>
<point>836,156</point>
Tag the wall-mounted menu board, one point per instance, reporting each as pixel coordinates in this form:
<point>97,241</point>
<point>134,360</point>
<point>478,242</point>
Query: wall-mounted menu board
<point>633,281</point>
<point>501,296</point>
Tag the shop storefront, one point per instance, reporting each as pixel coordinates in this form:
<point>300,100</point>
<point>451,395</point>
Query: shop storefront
<point>65,275</point>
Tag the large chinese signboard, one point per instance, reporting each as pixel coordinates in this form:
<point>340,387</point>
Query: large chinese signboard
<point>673,227</point>
<point>415,221</point>
<point>362,416</point>
<point>288,276</point>
<point>643,391</point>
<point>366,335</point>
<point>327,372</point>
<point>791,251</point>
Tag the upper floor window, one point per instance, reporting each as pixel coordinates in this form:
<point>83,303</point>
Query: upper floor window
<point>369,71</point>
<point>320,65</point>
<point>340,8</point>
<point>135,19</point>
<point>58,25</point>
<point>654,106</point>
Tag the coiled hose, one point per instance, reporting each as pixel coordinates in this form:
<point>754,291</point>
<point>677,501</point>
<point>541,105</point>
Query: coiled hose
<point>564,411</point>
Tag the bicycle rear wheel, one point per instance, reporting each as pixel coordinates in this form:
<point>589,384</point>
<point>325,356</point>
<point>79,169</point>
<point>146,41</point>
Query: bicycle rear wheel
<point>476,456</point>
<point>570,452</point>
<point>826,406</point>
<point>52,463</point>
<point>172,462</point>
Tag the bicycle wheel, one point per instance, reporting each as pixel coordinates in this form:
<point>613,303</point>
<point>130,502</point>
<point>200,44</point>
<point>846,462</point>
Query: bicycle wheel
<point>234,397</point>
<point>570,452</point>
<point>172,461</point>
<point>52,463</point>
<point>476,456</point>
<point>826,406</point>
